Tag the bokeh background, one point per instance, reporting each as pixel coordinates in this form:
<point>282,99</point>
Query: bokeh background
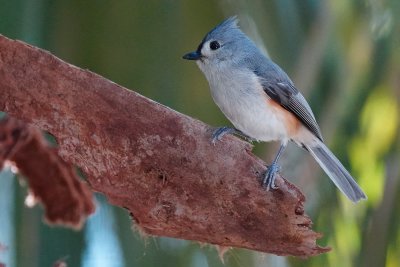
<point>343,55</point>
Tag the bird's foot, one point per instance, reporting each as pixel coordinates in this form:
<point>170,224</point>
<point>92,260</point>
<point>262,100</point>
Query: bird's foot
<point>220,132</point>
<point>270,176</point>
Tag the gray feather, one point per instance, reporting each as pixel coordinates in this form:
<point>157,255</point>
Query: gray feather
<point>284,93</point>
<point>337,172</point>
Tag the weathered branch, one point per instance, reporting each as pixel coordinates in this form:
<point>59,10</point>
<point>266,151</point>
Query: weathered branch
<point>155,162</point>
<point>52,182</point>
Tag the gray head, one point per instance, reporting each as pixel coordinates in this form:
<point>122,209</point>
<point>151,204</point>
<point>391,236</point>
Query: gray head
<point>226,43</point>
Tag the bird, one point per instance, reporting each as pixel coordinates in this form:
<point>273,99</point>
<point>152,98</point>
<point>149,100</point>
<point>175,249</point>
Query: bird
<point>262,102</point>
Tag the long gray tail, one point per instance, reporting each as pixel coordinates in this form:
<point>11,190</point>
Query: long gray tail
<point>336,171</point>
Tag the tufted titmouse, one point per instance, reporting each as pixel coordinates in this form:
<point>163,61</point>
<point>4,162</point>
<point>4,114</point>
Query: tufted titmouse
<point>261,101</point>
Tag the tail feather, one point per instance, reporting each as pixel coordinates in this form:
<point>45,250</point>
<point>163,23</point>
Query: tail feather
<point>336,171</point>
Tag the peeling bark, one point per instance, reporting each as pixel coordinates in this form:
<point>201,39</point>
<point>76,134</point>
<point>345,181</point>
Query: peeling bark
<point>52,182</point>
<point>153,161</point>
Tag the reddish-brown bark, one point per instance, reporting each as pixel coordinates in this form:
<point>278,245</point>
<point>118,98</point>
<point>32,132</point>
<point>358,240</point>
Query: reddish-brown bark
<point>52,182</point>
<point>155,162</point>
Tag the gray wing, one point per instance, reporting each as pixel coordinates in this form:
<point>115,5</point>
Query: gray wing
<point>284,93</point>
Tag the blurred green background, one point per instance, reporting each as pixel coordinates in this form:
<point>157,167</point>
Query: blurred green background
<point>343,55</point>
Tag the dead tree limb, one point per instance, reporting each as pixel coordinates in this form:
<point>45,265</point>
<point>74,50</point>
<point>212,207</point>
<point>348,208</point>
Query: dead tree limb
<point>154,161</point>
<point>52,182</point>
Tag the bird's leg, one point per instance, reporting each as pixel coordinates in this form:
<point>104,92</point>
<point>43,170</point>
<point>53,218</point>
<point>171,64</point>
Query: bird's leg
<point>220,132</point>
<point>269,176</point>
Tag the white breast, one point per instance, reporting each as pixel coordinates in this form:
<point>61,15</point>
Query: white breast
<point>241,98</point>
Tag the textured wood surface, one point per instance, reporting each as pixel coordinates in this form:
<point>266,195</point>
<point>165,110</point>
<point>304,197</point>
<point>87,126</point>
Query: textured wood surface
<point>155,162</point>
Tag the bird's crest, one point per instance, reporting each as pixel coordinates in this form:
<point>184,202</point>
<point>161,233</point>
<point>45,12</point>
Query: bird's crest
<point>224,27</point>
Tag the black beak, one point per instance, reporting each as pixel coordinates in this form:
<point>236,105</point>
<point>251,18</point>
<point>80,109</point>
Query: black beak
<point>193,55</point>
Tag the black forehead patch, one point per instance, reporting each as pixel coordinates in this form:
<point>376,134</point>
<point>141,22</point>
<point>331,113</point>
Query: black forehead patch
<point>201,45</point>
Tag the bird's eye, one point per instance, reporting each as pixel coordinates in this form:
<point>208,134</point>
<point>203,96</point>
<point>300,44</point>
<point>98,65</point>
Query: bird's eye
<point>214,45</point>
